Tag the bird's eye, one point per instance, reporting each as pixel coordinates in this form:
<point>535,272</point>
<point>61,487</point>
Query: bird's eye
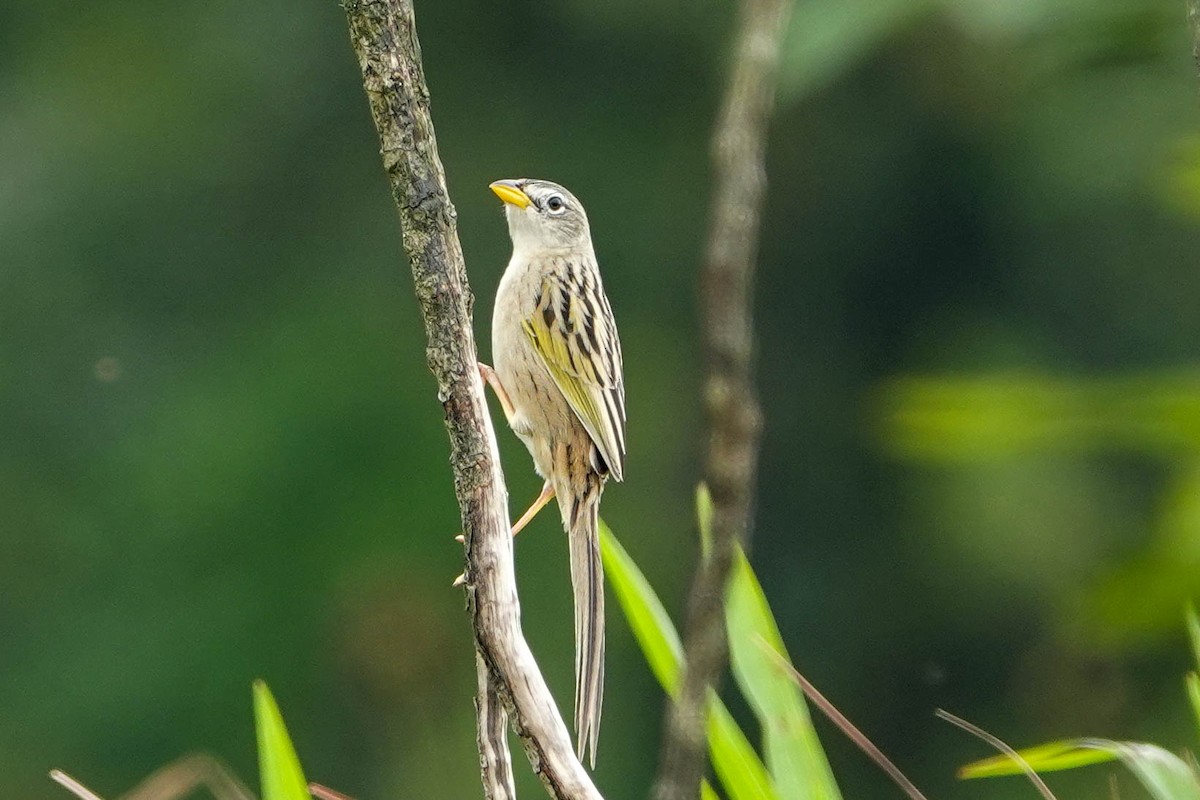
<point>556,205</point>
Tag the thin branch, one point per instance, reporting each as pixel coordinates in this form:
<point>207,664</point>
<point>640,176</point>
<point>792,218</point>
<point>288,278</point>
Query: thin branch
<point>73,786</point>
<point>495,762</point>
<point>847,727</point>
<point>1193,12</point>
<point>180,778</point>
<point>384,36</point>
<point>734,418</point>
<point>320,792</point>
<point>1000,745</point>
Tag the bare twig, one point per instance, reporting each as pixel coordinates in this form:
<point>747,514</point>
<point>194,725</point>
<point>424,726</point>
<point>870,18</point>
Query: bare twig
<point>739,144</point>
<point>495,762</point>
<point>843,723</point>
<point>73,786</point>
<point>385,40</point>
<point>181,778</point>
<point>320,792</point>
<point>178,779</point>
<point>997,743</point>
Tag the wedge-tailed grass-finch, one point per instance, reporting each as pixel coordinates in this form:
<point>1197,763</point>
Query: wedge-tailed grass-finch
<point>558,376</point>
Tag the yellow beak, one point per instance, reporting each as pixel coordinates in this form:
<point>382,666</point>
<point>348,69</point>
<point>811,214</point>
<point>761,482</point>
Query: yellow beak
<point>509,192</point>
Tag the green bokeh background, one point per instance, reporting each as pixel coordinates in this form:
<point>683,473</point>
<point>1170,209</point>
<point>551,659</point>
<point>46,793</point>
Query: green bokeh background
<point>221,456</point>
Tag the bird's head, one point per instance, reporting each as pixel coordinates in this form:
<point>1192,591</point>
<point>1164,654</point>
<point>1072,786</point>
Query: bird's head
<point>542,215</point>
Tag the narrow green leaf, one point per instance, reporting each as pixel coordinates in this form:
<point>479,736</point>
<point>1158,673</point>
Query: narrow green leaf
<point>1193,690</point>
<point>1164,775</point>
<point>794,755</point>
<point>737,765</point>
<point>1193,678</point>
<point>1193,627</point>
<point>707,792</point>
<point>741,771</point>
<point>646,616</point>
<point>279,768</point>
<point>704,513</point>
<point>1049,757</point>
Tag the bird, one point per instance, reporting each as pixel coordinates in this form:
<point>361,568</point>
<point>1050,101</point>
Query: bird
<point>557,372</point>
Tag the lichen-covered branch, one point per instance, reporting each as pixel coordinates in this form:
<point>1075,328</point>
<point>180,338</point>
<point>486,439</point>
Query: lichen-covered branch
<point>734,418</point>
<point>384,36</point>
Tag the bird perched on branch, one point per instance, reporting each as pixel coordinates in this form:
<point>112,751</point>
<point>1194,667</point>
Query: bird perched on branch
<point>558,376</point>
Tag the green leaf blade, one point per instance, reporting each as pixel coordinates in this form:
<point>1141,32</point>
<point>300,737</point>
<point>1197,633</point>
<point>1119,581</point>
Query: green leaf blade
<point>1049,757</point>
<point>1193,691</point>
<point>1193,678</point>
<point>651,626</point>
<point>1193,629</point>
<point>794,755</point>
<point>704,515</point>
<point>739,768</point>
<point>279,767</point>
<point>1163,774</point>
<point>741,771</point>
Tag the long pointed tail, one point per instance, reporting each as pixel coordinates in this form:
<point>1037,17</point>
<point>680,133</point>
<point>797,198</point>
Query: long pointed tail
<point>587,583</point>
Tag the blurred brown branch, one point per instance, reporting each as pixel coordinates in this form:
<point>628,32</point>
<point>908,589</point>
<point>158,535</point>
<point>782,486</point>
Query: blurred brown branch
<point>384,36</point>
<point>734,418</point>
<point>1193,9</point>
<point>178,779</point>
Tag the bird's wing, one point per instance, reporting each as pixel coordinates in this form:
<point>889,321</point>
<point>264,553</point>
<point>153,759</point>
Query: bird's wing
<point>573,331</point>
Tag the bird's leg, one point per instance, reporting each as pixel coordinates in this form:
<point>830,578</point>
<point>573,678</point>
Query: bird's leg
<point>545,497</point>
<point>492,379</point>
<point>542,499</point>
<point>538,504</point>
